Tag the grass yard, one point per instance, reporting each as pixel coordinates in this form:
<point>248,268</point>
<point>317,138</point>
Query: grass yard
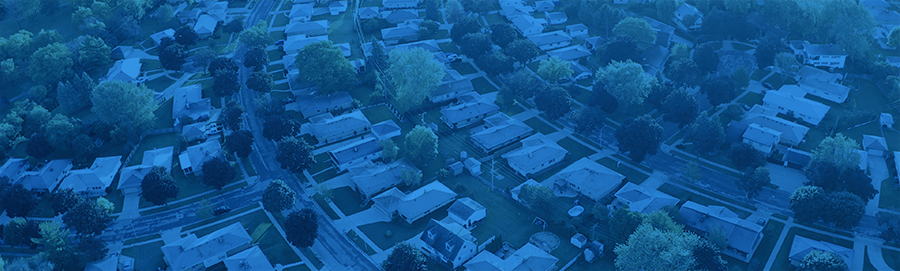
<point>340,29</point>
<point>631,174</point>
<point>280,20</point>
<point>867,265</point>
<point>362,93</point>
<point>378,114</point>
<point>629,112</point>
<point>159,84</point>
<point>326,175</point>
<point>360,243</point>
<point>348,200</point>
<point>248,166</point>
<point>771,233</point>
<point>540,126</point>
<point>891,258</point>
<point>449,47</point>
<point>147,256</point>
<point>685,195</point>
<point>494,18</point>
<point>150,64</point>
<point>463,68</point>
<point>783,263</point>
<point>400,229</point>
<point>155,142</point>
<point>323,162</point>
<point>512,110</point>
<point>758,74</point>
<point>164,115</point>
<point>324,204</point>
<point>142,239</point>
<point>576,150</point>
<point>751,98</point>
<point>890,196</point>
<point>276,248</point>
<point>216,219</point>
<point>482,85</point>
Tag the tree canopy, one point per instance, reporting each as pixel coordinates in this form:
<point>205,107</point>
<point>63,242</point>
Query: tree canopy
<point>555,102</point>
<point>217,172</point>
<point>649,248</point>
<point>19,202</point>
<point>637,30</point>
<point>93,53</point>
<point>495,63</point>
<point>257,35</point>
<point>51,64</point>
<point>553,69</point>
<point>680,107</point>
<point>125,106</point>
<point>63,200</point>
<point>158,186</point>
<point>464,25</point>
<point>256,58</point>
<point>706,57</point>
<point>753,182</point>
<point>522,50</point>
<point>719,90</point>
<point>626,81</point>
<point>820,260</point>
<point>415,74</point>
<point>294,154</point>
<point>744,156</point>
<point>278,196</point>
<point>421,145</point>
<point>639,137</point>
<point>503,34</point>
<point>706,133</point>
<point>301,227</point>
<point>240,142</point>
<point>405,257</point>
<point>475,45</point>
<point>324,65</point>
<point>838,149</point>
<point>90,217</point>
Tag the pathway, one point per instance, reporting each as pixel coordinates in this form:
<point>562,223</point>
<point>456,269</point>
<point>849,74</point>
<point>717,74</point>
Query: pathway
<point>879,172</point>
<point>778,244</point>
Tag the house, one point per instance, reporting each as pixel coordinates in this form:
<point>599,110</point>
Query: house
<point>874,145</point>
<point>404,32</point>
<point>466,212</point>
<point>528,257</point>
<point>886,120</point>
<point>509,9</point>
<point>556,17</point>
<point>309,28</point>
<point>188,16</point>
<point>448,244</point>
<point>470,109</point>
<point>313,105</point>
<point>792,134</point>
<point>302,12</point>
<point>787,101</point>
<point>820,55</point>
<point>544,6</point>
<point>473,166</point>
<point>803,246</point>
<point>822,84</point>
<point>368,13</point>
<point>528,25</point>
<point>159,36</point>
<point>249,259</point>
<point>46,177</point>
<point>192,253</point>
<point>93,181</point>
<point>198,131</point>
<point>688,17</point>
<point>743,236</point>
<point>386,130</point>
<point>551,40</point>
<point>428,45</point>
<point>576,30</point>
<point>218,11</point>
<point>205,26</point>
<point>13,168</point>
<point>761,138</point>
<point>664,32</point>
<point>160,157</point>
<point>499,131</point>
<point>127,70</point>
<point>797,159</point>
<point>189,102</point>
<point>587,178</point>
<point>571,53</point>
<point>640,199</point>
<point>194,157</point>
<point>112,262</point>
<point>355,153</point>
<point>130,178</point>
<point>417,204</point>
<point>536,154</point>
<point>337,7</point>
<point>399,15</point>
<point>371,178</point>
<point>303,2</point>
<point>345,48</point>
<point>592,43</point>
<point>398,4</point>
<point>453,85</point>
<point>121,52</point>
<point>293,44</point>
<point>329,129</point>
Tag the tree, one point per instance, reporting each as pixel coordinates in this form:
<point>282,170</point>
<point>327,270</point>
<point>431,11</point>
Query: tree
<point>278,196</point>
<point>463,26</point>
<point>58,248</point>
<point>185,35</point>
<point>495,63</point>
<point>38,147</point>
<point>33,263</point>
<point>90,217</point>
<point>604,18</point>
<point>453,10</point>
<point>51,63</point>
<point>404,257</point>
<point>661,220</point>
<point>200,60</point>
<point>765,52</point>
<point>680,107</point>
<point>374,25</point>
<point>636,30</point>
<point>503,34</point>
<point>22,9</point>
<point>240,142</point>
<point>553,69</point>
<point>807,202</point>
<point>324,65</point>
<point>740,8</point>
<point>719,90</point>
<point>683,71</point>
<point>158,186</point>
<point>665,9</point>
<point>93,53</point>
<point>622,223</point>
<point>432,10</point>
<point>165,13</point>
<point>523,84</point>
<point>475,45</point>
<point>824,174</point>
<point>18,232</point>
<point>891,221</point>
<point>600,97</point>
<point>718,25</point>
<point>522,50</point>
<point>389,149</point>
<point>18,45</point>
<point>60,131</point>
<point>857,182</point>
<point>411,178</point>
<point>172,55</point>
<point>820,260</point>
<point>848,24</point>
<point>555,102</point>
<point>221,65</point>
<point>19,201</point>
<point>649,248</point>
<point>477,6</point>
<point>838,149</point>
<point>621,49</point>
<point>427,29</point>
<point>257,58</point>
<point>741,78</point>
<point>844,209</point>
<point>639,137</point>
<point>225,82</point>
<point>707,257</point>
<point>232,116</point>
<point>536,196</point>
<point>127,107</point>
<point>301,227</point>
<point>706,133</point>
<point>294,154</point>
<point>234,26</point>
<point>64,200</point>
<point>260,81</point>
<point>421,145</point>
<point>626,81</point>
<point>415,74</point>
<point>743,156</point>
<point>787,63</point>
<point>590,119</point>
<point>706,57</point>
<point>894,37</point>
<point>217,172</point>
<point>753,182</point>
<point>258,35</point>
<point>278,126</point>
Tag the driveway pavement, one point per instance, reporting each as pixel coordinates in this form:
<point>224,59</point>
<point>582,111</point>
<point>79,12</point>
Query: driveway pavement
<point>787,179</point>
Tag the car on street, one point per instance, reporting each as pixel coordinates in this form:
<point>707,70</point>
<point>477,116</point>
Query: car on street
<point>768,86</point>
<point>221,210</point>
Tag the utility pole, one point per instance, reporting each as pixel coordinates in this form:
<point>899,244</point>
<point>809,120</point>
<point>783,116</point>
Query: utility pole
<point>492,175</point>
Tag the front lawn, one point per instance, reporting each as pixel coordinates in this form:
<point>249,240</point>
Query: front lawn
<point>164,115</point>
<point>630,174</point>
<point>751,98</point>
<point>399,229</point>
<point>890,196</point>
<point>147,256</point>
<point>783,263</point>
<point>759,74</point>
<point>891,258</point>
<point>482,85</point>
<point>771,233</point>
<point>159,84</point>
<point>512,110</point>
<point>685,195</point>
<point>449,47</point>
<point>150,64</point>
<point>540,126</point>
<point>280,20</point>
<point>463,68</point>
<point>576,150</point>
<point>348,200</point>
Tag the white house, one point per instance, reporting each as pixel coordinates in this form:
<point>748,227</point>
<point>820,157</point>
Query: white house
<point>499,130</point>
<point>788,101</point>
<point>587,178</point>
<point>761,138</point>
<point>309,28</point>
<point>293,44</point>
<point>194,157</point>
<point>551,40</point>
<point>251,259</point>
<point>576,30</point>
<point>159,36</point>
<point>452,85</point>
<point>127,70</point>
<point>742,236</point>
<point>329,129</point>
<point>417,204</point>
<point>371,178</point>
<point>688,17</point>
<point>822,84</point>
<point>640,199</point>
<point>470,109</point>
<point>189,102</point>
<point>528,257</point>
<point>398,4</point>
<point>570,53</point>
<point>94,180</point>
<point>386,130</point>
<point>358,152</point>
<point>302,12</point>
<point>803,246</point>
<point>205,26</point>
<point>14,167</point>
<point>192,253</point>
<point>556,17</point>
<point>820,55</point>
<point>403,32</point>
<point>792,134</point>
<point>528,25</point>
<point>448,244</point>
<point>466,212</point>
<point>537,153</point>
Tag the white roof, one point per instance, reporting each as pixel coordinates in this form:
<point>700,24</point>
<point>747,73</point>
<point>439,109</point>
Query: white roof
<point>501,130</point>
<point>251,259</point>
<point>766,117</point>
<point>643,200</point>
<point>802,246</point>
<point>417,203</point>
<point>799,105</point>
<point>591,177</point>
<point>205,25</point>
<point>196,155</point>
<point>187,252</point>
<point>158,36</point>
<point>127,70</point>
<point>528,257</point>
<point>537,149</point>
<point>100,174</point>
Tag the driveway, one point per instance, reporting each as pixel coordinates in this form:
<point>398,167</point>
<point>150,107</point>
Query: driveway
<point>787,179</point>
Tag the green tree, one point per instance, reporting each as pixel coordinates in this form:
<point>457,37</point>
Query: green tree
<point>495,63</point>
<point>217,172</point>
<point>683,71</point>
<point>894,37</point>
<point>788,64</point>
<point>127,107</point>
<point>257,58</point>
<point>706,57</point>
<point>411,178</point>
<point>185,35</point>
<point>18,232</point>
<point>89,217</point>
<point>555,102</point>
<point>165,13</point>
<point>503,34</point>
<point>838,149</point>
<point>453,10</point>
<point>260,81</point>
<point>649,248</point>
<point>820,260</point>
<point>719,90</point>
<point>405,257</point>
<point>93,53</point>
<point>639,137</point>
<point>46,37</point>
<point>294,154</point>
<point>741,77</point>
<point>19,202</point>
<point>706,133</point>
<point>661,220</point>
<point>421,145</point>
<point>58,248</point>
<point>680,107</point>
<point>22,9</point>
<point>622,223</point>
<point>18,45</point>
<point>844,209</point>
<point>75,94</point>
<point>626,81</point>
<point>33,263</point>
<point>463,26</point>
<point>743,156</point>
<point>38,147</point>
<point>807,202</point>
<point>765,52</point>
<point>240,142</point>
<point>553,69</point>
<point>325,66</point>
<point>64,200</point>
<point>475,45</point>
<point>754,182</point>
<point>848,24</point>
<point>536,196</point>
<point>636,30</point>
<point>225,82</point>
<point>665,9</point>
<point>257,35</point>
<point>278,196</point>
<point>51,63</point>
<point>301,227</point>
<point>389,149</point>
<point>232,116</point>
<point>8,71</point>
<point>680,51</point>
<point>158,186</point>
<point>522,50</point>
<point>589,120</point>
<point>172,55</point>
<point>415,74</point>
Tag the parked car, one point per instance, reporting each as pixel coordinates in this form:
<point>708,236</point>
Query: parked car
<point>141,80</point>
<point>221,210</point>
<point>768,86</point>
<point>280,42</point>
<point>453,57</point>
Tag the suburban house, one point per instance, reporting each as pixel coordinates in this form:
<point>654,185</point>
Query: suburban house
<point>803,246</point>
<point>127,70</point>
<point>205,26</point>
<point>577,30</point>
<point>218,11</point>
<point>528,25</point>
<point>303,12</point>
<point>417,204</point>
<point>874,145</point>
<point>386,130</point>
<point>528,257</point>
<point>399,15</point>
<point>792,133</point>
<point>309,28</point>
<point>355,153</point>
<point>796,159</point>
<point>448,244</point>
<point>571,53</point>
<point>131,177</point>
<point>551,40</point>
<point>587,178</point>
<point>329,129</point>
<point>368,12</point>
<point>112,262</point>
<point>45,177</point>
<point>640,199</point>
<point>820,55</point>
<point>397,4</point>
<point>312,105</point>
<point>192,253</point>
<point>403,32</point>
<point>453,85</point>
<point>371,178</point>
<point>337,7</point>
<point>293,44</point>
<point>466,212</point>
<point>159,36</point>
<point>664,32</point>
<point>511,9</point>
<point>188,16</point>
<point>556,17</point>
<point>788,101</point>
<point>537,153</point>
<point>200,130</point>
<point>251,259</point>
<point>470,109</point>
<point>761,138</point>
<point>592,43</point>
<point>189,102</point>
<point>743,236</point>
<point>499,130</point>
<point>194,157</point>
<point>13,167</point>
<point>822,84</point>
<point>93,181</point>
<point>430,45</point>
<point>544,6</point>
<point>121,52</point>
<point>688,17</point>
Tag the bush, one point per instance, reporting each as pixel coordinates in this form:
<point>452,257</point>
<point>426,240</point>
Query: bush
<point>388,233</point>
